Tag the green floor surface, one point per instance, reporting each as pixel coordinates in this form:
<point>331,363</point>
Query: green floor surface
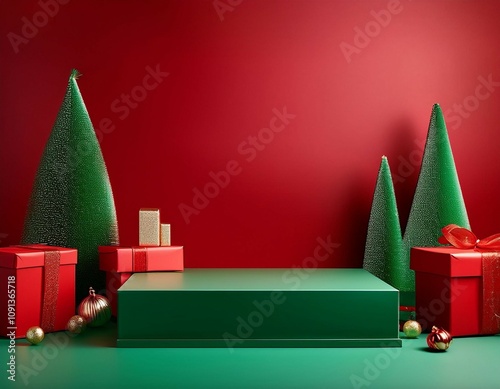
<point>92,361</point>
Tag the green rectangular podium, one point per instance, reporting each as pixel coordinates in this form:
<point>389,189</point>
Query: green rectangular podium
<point>258,308</point>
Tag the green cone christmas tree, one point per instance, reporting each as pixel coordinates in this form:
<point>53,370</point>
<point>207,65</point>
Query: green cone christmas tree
<point>438,199</point>
<point>72,202</point>
<point>384,252</point>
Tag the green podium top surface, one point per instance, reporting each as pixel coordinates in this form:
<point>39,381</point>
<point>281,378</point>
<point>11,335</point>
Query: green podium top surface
<point>295,279</point>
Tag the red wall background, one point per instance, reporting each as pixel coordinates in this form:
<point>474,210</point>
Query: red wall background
<point>230,63</point>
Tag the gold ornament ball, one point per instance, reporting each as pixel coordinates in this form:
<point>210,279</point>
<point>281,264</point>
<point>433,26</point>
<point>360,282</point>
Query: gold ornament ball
<point>76,324</point>
<point>34,335</point>
<point>412,329</point>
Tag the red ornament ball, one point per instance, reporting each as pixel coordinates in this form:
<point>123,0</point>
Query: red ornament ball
<point>95,309</point>
<point>439,339</point>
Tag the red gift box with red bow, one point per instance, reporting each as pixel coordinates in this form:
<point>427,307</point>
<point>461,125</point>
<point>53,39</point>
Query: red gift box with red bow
<point>120,263</point>
<point>38,288</point>
<point>458,287</point>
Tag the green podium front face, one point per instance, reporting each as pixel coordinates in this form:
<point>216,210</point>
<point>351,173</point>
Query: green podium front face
<point>258,308</point>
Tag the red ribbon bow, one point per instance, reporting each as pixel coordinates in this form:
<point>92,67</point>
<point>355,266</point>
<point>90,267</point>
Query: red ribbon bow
<point>462,238</point>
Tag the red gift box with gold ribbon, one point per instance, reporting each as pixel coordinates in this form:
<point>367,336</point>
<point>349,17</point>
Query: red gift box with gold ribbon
<point>458,287</point>
<point>38,288</point>
<point>121,262</point>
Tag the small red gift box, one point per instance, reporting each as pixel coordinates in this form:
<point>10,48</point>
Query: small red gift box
<point>38,288</point>
<point>120,263</point>
<point>457,289</point>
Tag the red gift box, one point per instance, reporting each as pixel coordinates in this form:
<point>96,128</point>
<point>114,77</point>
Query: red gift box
<point>457,289</point>
<point>120,263</point>
<point>38,288</point>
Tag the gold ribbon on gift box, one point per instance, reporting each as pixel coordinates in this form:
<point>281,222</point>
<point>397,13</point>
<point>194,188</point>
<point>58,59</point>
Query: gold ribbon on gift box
<point>50,291</point>
<point>491,300</point>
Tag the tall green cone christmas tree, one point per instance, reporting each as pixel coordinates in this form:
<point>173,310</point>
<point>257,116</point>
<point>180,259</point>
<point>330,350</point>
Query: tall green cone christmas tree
<point>384,250</point>
<point>438,199</point>
<point>72,202</point>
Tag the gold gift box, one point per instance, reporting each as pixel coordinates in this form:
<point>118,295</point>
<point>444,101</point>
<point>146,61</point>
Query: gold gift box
<point>165,235</point>
<point>149,227</point>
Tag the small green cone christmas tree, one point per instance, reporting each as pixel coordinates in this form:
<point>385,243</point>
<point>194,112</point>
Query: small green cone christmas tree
<point>72,202</point>
<point>438,199</point>
<point>384,252</point>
